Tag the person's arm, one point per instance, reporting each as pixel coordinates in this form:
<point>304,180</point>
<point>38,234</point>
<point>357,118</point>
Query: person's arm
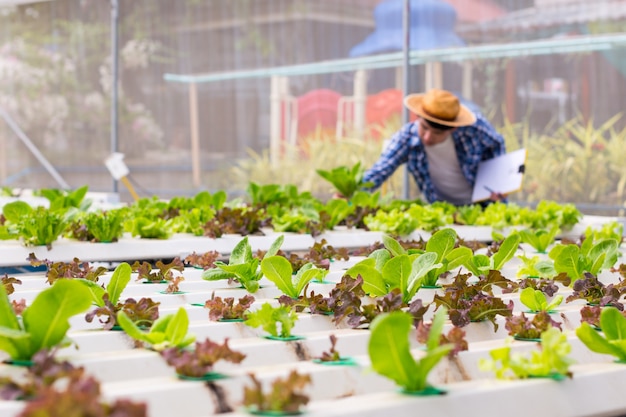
<point>395,154</point>
<point>492,141</point>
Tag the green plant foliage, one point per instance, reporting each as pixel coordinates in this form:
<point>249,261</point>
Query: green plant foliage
<point>539,239</point>
<point>279,270</point>
<point>36,226</point>
<point>442,243</point>
<point>536,300</point>
<point>45,321</point>
<point>346,180</point>
<point>242,266</point>
<point>481,264</point>
<point>550,360</point>
<point>611,230</point>
<point>591,257</point>
<point>106,226</point>
<point>381,272</point>
<point>63,199</point>
<point>166,332</point>
<point>613,342</point>
<point>535,267</point>
<point>269,318</point>
<point>390,354</point>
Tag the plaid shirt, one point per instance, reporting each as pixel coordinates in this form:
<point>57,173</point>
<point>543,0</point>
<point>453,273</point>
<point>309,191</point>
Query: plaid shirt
<point>473,144</point>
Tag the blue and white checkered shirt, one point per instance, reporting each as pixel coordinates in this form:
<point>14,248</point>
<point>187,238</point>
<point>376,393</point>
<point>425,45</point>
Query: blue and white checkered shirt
<point>473,144</point>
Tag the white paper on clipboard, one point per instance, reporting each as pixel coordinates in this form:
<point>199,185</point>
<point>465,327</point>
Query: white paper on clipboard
<point>502,174</point>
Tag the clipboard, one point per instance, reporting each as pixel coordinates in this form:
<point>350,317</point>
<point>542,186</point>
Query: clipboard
<point>502,174</point>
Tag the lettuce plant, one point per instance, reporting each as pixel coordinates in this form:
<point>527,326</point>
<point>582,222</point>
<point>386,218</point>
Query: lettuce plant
<point>610,230</point>
<point>332,355</point>
<point>105,226</point>
<point>269,318</point>
<point>390,354</point>
<point>227,309</point>
<point>448,257</point>
<point>346,180</point>
<point>278,270</point>
<point>285,396</point>
<point>394,267</point>
<point>45,321</point>
<point>522,328</point>
<point>481,264</point>
<point>612,341</point>
<point>143,312</point>
<point>539,239</point>
<point>592,290</point>
<point>199,361</point>
<point>550,361</point>
<point>536,300</point>
<point>161,272</point>
<point>475,302</point>
<point>242,266</point>
<point>535,267</point>
<point>590,257</point>
<point>149,227</point>
<point>36,226</point>
<point>335,211</point>
<point>63,199</point>
<point>395,221</point>
<point>168,331</point>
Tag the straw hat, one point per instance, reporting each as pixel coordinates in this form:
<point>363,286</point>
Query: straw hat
<point>441,107</point>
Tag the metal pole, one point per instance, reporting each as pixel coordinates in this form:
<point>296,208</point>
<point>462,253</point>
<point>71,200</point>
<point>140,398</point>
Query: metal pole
<point>115,77</point>
<point>33,149</point>
<point>406,28</point>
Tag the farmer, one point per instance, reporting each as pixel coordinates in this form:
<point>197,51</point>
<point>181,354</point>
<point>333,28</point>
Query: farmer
<point>442,148</point>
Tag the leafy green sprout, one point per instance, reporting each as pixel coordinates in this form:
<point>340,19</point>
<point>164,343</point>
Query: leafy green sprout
<point>612,341</point>
<point>45,322</point>
<point>551,360</point>
<point>390,354</point>
<point>277,321</point>
<point>537,301</point>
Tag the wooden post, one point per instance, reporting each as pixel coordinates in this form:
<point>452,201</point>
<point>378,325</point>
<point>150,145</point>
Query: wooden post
<point>360,98</point>
<point>510,91</point>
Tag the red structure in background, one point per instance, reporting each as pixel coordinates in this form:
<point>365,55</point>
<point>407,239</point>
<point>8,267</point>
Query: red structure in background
<point>319,110</point>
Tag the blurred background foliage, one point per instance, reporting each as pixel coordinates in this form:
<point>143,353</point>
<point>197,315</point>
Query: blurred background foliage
<point>56,72</point>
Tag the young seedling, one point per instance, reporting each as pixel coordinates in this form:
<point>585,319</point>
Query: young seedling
<point>537,301</point>
<point>346,180</point>
<point>226,309</point>
<point>285,396</point>
<point>389,350</point>
<point>613,342</point>
<point>551,361</point>
<point>199,362</point>
<point>168,331</point>
<point>539,239</point>
<point>269,318</point>
<point>242,266</point>
<point>589,257</point>
<point>481,264</point>
<point>278,270</point>
<point>393,267</point>
<point>521,328</point>
<point>442,243</point>
<point>143,312</point>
